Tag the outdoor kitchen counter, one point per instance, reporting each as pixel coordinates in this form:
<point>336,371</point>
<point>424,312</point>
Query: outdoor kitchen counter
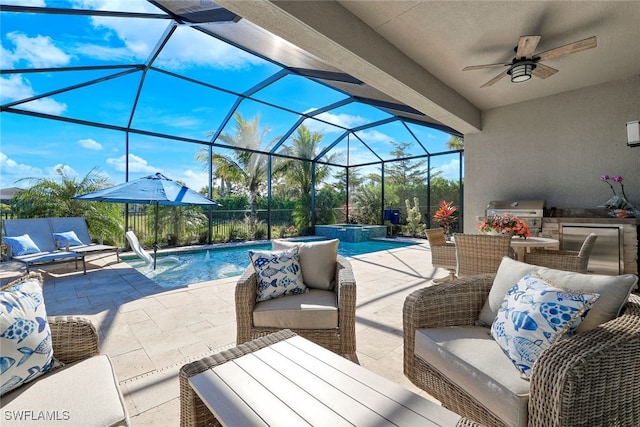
<point>629,235</point>
<point>591,220</point>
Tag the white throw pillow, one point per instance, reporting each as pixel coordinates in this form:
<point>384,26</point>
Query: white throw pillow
<point>317,261</point>
<point>278,273</point>
<point>533,315</point>
<point>25,336</point>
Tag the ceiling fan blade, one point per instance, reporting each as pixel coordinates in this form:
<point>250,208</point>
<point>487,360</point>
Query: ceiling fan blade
<point>526,46</point>
<point>567,49</point>
<point>495,79</point>
<point>543,71</point>
<point>480,67</point>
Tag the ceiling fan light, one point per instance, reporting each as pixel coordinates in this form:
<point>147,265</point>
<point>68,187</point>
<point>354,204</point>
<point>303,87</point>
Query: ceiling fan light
<point>521,72</point>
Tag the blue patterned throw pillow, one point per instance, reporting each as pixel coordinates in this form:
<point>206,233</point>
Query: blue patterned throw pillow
<point>25,336</point>
<point>21,245</point>
<point>278,273</point>
<point>68,237</point>
<point>533,315</point>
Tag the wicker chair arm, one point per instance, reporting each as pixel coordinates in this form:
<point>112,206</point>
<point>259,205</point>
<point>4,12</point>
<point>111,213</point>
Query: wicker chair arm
<point>346,290</point>
<point>559,260</point>
<point>73,338</point>
<point>193,411</point>
<point>592,378</point>
<point>245,302</point>
<point>453,303</point>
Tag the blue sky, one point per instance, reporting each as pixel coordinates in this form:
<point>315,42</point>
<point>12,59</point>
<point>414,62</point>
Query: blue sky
<point>35,147</point>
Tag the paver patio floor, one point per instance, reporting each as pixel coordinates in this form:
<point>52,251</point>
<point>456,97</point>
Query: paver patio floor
<point>150,331</point>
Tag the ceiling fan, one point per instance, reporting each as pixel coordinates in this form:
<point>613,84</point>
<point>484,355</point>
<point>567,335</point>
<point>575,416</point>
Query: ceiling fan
<point>526,63</point>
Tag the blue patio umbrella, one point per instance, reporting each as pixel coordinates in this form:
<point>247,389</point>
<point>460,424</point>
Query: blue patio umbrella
<point>154,189</point>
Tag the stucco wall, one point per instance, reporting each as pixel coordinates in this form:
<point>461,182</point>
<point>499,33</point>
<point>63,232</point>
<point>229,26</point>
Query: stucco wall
<point>554,148</point>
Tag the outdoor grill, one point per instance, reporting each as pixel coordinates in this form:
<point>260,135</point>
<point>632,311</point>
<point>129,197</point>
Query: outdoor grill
<point>530,211</point>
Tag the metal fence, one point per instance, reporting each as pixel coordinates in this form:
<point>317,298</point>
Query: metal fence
<point>226,225</point>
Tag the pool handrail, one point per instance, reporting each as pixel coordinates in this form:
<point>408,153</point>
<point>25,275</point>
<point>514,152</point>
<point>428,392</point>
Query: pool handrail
<point>135,246</point>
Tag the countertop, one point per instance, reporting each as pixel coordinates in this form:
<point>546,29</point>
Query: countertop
<point>591,220</point>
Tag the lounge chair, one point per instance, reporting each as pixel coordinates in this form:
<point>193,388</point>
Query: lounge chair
<point>79,226</point>
<point>39,231</point>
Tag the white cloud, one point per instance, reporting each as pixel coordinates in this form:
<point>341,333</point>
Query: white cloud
<point>136,164</point>
<point>12,170</point>
<point>55,172</point>
<point>450,170</point>
<point>90,144</point>
<point>16,87</point>
<point>373,135</point>
<point>6,58</point>
<point>38,51</point>
<point>187,46</point>
<point>346,120</point>
<point>195,180</point>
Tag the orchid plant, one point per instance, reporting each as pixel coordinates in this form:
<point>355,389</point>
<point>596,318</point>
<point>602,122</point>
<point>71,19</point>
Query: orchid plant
<point>616,201</point>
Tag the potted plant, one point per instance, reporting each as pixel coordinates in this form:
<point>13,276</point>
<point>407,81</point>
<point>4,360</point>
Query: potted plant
<point>445,215</point>
<point>506,223</point>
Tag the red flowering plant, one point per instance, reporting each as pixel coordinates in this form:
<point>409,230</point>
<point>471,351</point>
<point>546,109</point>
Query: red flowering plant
<point>616,201</point>
<point>444,215</point>
<point>507,223</point>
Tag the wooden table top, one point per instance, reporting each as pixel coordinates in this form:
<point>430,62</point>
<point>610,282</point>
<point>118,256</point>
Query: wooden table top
<point>534,242</point>
<point>298,383</point>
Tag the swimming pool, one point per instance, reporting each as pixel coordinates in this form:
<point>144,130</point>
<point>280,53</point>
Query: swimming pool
<point>218,263</point>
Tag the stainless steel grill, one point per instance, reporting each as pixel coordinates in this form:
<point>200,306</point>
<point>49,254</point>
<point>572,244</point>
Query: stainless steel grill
<point>530,211</point>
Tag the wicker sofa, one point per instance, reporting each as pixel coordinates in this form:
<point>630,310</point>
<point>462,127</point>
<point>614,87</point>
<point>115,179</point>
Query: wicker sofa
<point>81,389</point>
<point>589,379</point>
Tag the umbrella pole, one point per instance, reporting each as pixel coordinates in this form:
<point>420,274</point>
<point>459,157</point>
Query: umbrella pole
<point>155,243</point>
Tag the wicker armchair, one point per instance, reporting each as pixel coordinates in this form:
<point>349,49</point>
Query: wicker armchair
<point>73,339</point>
<point>443,253</point>
<point>564,260</point>
<point>589,379</point>
<point>340,340</point>
<point>480,253</point>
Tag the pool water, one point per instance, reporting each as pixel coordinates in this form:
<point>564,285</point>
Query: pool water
<point>218,263</point>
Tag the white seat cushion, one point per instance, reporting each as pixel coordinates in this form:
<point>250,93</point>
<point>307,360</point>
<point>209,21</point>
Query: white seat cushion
<point>85,393</point>
<point>469,357</point>
<point>316,309</point>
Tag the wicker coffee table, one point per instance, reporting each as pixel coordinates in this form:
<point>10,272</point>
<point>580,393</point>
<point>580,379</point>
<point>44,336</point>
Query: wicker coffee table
<point>286,380</point>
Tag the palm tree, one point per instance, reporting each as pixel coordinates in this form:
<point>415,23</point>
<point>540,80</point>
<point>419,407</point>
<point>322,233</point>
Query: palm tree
<point>54,198</point>
<point>305,145</point>
<point>455,143</point>
<point>247,167</point>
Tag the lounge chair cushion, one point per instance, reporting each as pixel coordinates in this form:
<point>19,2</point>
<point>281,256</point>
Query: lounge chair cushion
<point>469,357</point>
<point>317,309</point>
<point>25,336</point>
<point>21,245</point>
<point>278,273</point>
<point>84,393</point>
<point>613,290</point>
<point>533,315</point>
<point>68,238</point>
<point>317,261</point>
